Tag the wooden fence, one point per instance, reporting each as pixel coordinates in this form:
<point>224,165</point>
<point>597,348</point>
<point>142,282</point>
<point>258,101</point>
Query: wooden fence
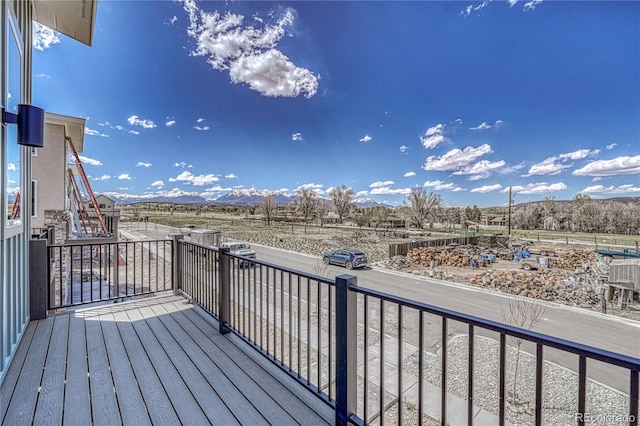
<point>489,241</point>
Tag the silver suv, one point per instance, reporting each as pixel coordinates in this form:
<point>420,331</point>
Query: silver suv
<point>239,249</point>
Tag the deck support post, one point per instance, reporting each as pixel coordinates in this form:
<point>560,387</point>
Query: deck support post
<point>225,290</point>
<point>176,264</point>
<point>346,349</point>
<point>38,279</point>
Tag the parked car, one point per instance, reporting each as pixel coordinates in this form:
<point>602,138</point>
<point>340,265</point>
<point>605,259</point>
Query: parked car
<point>240,249</point>
<point>349,258</point>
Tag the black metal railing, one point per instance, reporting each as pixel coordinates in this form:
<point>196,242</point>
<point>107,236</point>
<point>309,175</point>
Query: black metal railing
<point>89,273</point>
<point>372,355</point>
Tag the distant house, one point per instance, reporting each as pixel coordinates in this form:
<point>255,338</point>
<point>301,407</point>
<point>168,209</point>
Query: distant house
<point>49,165</point>
<point>109,212</point>
<point>493,220</point>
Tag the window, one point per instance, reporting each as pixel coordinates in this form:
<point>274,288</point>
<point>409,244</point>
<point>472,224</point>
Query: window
<point>34,198</point>
<point>12,151</point>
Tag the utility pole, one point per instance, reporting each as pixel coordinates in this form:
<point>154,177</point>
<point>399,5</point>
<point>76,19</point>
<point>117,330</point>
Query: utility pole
<point>509,214</point>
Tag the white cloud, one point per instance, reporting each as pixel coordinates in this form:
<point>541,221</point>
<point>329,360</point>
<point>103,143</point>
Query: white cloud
<point>249,53</point>
<point>42,75</point>
<point>381,184</point>
<point>537,188</point>
<point>170,123</point>
<point>142,164</point>
<point>624,165</point>
<point>531,5</point>
<point>124,176</point>
<point>409,174</point>
<point>201,129</point>
<point>103,177</point>
<point>200,120</point>
<point>433,136</point>
<point>89,161</point>
<point>621,189</point>
<point>556,164</point>
<point>173,20</point>
<point>231,176</point>
<point>487,188</point>
<point>485,126</point>
<point>480,170</point>
<point>389,191</point>
<point>191,179</point>
<point>296,137</point>
<point>471,8</point>
<point>43,37</point>
<point>549,166</point>
<point>366,138</point>
<point>404,148</point>
<point>91,132</point>
<point>134,120</point>
<point>611,146</point>
<point>315,187</point>
<point>456,158</point>
<point>158,184</point>
<point>134,132</point>
<point>12,167</point>
<point>182,164</point>
<point>439,185</point>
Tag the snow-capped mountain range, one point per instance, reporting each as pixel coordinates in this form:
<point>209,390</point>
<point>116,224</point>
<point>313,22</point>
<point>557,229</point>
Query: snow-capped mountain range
<point>236,197</point>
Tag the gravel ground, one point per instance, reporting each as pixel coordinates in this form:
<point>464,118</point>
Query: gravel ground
<point>560,394</point>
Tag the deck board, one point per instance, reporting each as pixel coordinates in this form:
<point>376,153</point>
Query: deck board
<point>151,361</point>
<point>13,374</point>
<point>76,396</point>
<point>264,378</point>
<point>207,397</point>
<point>130,401</point>
<point>162,388</point>
<point>216,376</point>
<point>104,405</point>
<point>25,396</point>
<point>50,401</point>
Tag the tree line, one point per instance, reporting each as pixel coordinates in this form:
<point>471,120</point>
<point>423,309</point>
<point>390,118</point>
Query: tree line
<point>423,209</point>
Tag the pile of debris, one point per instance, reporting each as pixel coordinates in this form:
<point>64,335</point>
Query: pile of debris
<point>396,263</point>
<point>551,285</point>
<point>574,259</point>
<point>451,256</point>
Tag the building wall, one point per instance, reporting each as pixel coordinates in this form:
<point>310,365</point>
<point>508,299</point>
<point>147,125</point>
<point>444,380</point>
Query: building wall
<point>15,30</point>
<point>48,169</point>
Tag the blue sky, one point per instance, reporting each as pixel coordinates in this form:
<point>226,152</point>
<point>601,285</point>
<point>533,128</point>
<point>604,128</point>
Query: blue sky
<point>461,98</point>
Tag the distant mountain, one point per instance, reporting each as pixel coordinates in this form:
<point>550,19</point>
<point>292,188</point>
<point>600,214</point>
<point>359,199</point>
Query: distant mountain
<point>241,197</point>
<point>175,197</point>
<point>365,203</point>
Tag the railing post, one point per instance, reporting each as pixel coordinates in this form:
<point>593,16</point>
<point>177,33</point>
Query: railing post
<point>346,349</point>
<point>176,261</point>
<point>224,280</point>
<point>38,264</point>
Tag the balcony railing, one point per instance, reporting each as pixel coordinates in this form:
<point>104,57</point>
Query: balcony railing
<point>374,357</point>
<point>89,273</point>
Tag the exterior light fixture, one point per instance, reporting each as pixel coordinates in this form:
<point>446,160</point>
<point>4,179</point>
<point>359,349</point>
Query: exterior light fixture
<point>30,121</point>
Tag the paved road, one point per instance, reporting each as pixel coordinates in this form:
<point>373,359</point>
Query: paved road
<point>579,325</point>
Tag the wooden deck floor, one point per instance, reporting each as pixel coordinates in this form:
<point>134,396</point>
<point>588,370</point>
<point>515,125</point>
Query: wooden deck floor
<point>152,361</point>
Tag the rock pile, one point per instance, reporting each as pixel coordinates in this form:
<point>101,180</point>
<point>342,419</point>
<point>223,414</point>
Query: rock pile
<point>550,285</point>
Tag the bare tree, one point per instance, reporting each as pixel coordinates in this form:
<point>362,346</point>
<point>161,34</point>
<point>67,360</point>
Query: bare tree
<point>378,215</point>
<point>306,203</point>
<point>422,207</point>
<point>525,314</point>
<point>343,201</point>
<point>268,208</point>
<point>322,209</point>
